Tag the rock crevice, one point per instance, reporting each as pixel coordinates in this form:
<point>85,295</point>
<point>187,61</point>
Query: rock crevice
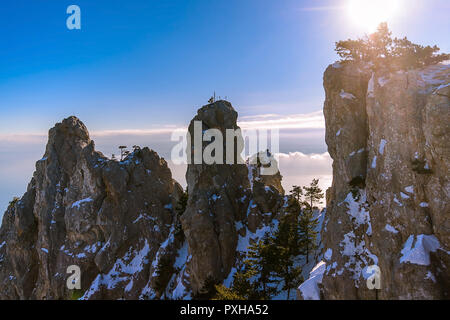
<point>389,202</point>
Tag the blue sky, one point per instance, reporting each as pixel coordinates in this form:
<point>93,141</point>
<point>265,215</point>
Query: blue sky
<point>149,64</point>
<point>146,56</point>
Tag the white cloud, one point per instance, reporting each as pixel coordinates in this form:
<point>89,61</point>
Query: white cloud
<point>314,120</point>
<point>137,132</point>
<point>298,168</point>
<point>302,132</point>
<point>23,138</point>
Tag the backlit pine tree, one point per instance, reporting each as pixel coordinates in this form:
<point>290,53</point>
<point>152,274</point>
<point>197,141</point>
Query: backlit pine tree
<point>381,51</point>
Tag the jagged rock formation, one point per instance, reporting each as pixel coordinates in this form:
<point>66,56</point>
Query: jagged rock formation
<point>389,203</point>
<point>227,202</point>
<point>117,220</point>
<point>213,206</point>
<point>107,217</point>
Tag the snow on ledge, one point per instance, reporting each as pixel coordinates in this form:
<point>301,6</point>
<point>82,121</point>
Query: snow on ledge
<point>346,95</point>
<point>419,253</point>
<point>77,204</point>
<point>390,228</point>
<point>310,289</point>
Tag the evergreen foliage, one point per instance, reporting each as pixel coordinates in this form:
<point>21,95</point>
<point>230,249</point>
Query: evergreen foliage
<point>271,261</point>
<point>13,202</point>
<point>382,51</point>
<point>179,210</point>
<point>164,271</point>
<point>308,234</point>
<point>286,243</point>
<point>313,194</point>
<point>296,192</point>
<point>224,293</point>
<point>262,258</point>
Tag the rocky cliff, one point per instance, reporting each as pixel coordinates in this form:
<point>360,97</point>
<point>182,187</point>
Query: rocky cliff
<point>117,220</point>
<point>389,202</point>
<point>107,217</point>
<point>227,204</point>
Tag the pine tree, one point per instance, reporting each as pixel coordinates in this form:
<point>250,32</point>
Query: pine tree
<point>307,222</point>
<point>243,288</point>
<point>296,192</point>
<point>123,152</point>
<point>262,259</point>
<point>243,284</point>
<point>179,210</point>
<point>313,193</point>
<point>286,236</point>
<point>292,277</point>
<point>13,202</point>
<point>286,243</point>
<point>271,260</point>
<point>164,271</point>
<point>383,51</point>
<point>224,293</point>
<point>308,234</point>
<point>253,278</point>
<point>380,45</point>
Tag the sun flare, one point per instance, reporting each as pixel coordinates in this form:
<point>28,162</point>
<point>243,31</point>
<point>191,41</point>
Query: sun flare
<point>368,14</point>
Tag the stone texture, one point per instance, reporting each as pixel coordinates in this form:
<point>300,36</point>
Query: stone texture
<point>221,195</point>
<point>389,201</point>
<point>116,220</point>
<point>84,209</point>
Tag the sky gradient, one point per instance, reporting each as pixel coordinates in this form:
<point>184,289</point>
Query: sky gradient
<point>149,65</point>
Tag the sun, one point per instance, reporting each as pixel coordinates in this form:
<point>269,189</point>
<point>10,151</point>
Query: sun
<point>368,14</point>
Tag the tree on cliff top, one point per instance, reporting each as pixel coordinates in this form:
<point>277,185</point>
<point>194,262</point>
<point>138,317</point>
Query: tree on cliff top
<point>382,51</point>
<point>13,202</point>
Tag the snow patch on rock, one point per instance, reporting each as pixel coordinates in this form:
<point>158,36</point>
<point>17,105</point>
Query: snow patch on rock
<point>418,252</point>
<point>328,254</point>
<point>310,289</point>
<point>78,203</point>
<point>374,162</point>
<point>390,228</point>
<point>382,145</point>
<point>346,95</point>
